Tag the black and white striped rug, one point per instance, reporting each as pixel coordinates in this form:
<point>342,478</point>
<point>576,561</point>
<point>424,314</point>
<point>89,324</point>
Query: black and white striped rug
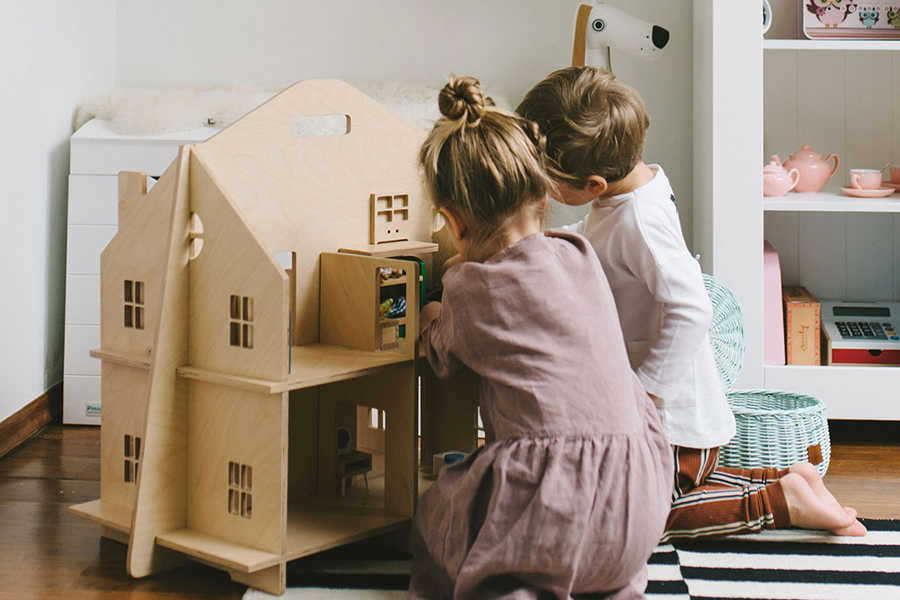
<point>790,564</point>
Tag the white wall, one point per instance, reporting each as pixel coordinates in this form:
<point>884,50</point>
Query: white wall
<point>55,53</point>
<point>508,44</point>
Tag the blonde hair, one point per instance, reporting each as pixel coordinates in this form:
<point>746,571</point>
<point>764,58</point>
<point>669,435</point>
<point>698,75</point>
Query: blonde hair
<point>594,123</point>
<point>482,161</point>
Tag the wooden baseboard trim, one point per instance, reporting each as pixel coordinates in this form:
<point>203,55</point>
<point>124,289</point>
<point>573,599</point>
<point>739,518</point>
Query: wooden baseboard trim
<point>24,423</point>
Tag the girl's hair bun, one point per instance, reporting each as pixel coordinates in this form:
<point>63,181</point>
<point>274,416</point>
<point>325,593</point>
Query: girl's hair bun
<point>462,99</point>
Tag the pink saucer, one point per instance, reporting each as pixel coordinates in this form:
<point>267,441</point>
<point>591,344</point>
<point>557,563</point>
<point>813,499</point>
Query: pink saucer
<point>884,192</point>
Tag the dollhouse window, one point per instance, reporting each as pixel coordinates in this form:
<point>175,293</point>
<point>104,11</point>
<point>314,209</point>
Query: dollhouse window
<point>240,484</point>
<point>134,304</point>
<point>132,458</point>
<point>241,324</point>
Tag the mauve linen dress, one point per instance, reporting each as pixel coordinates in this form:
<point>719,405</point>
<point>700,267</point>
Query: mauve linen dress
<point>570,493</point>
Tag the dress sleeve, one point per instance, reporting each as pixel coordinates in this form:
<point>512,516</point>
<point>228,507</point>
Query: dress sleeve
<point>439,341</point>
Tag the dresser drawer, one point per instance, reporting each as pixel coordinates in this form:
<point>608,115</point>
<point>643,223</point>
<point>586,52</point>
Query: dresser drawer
<point>80,340</point>
<point>81,399</point>
<point>82,300</point>
<point>93,200</point>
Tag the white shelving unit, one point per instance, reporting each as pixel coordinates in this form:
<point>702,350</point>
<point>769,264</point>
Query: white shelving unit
<point>840,97</point>
<point>831,202</point>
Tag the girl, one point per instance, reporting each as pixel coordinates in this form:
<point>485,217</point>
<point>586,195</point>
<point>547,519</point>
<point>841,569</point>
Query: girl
<point>570,493</point>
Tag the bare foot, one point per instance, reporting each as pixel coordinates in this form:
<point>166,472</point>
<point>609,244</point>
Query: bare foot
<point>808,511</point>
<point>812,477</point>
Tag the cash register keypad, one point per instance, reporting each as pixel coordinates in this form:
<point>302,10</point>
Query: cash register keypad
<point>866,330</point>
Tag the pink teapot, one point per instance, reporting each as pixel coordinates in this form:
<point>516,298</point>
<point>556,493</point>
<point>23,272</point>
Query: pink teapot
<point>778,181</point>
<point>814,170</point>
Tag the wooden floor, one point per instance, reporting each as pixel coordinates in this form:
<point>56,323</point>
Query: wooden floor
<point>48,554</point>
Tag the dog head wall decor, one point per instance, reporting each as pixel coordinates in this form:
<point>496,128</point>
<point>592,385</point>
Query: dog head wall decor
<point>599,27</point>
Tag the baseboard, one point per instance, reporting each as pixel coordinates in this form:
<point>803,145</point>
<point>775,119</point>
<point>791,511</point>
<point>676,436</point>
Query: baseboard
<point>24,423</point>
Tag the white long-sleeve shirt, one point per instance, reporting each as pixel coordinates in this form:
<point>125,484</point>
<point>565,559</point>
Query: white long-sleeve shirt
<point>664,309</point>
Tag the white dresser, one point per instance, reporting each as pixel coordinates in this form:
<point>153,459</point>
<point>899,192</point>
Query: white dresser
<point>97,156</point>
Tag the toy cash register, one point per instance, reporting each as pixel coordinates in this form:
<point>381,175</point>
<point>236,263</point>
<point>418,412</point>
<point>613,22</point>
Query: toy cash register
<point>861,333</point>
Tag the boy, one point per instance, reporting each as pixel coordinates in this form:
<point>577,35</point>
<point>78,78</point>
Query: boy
<point>595,127</point>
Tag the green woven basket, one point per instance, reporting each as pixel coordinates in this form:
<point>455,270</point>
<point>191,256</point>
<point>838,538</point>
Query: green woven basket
<point>726,331</point>
<point>777,429</point>
<point>774,428</point>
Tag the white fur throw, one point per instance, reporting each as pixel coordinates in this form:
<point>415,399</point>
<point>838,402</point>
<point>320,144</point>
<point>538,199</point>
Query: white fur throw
<point>166,110</point>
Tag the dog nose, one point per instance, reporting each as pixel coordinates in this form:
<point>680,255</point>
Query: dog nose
<point>660,36</point>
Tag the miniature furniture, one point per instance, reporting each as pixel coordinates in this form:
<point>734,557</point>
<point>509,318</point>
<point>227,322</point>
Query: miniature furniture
<point>244,350</point>
<point>97,154</point>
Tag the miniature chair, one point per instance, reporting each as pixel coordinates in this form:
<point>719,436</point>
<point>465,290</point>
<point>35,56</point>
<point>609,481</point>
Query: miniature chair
<point>774,428</point>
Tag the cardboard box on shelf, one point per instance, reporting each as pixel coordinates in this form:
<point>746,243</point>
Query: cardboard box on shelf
<point>802,318</point>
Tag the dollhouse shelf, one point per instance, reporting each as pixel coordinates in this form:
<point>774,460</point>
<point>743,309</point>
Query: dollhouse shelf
<point>831,44</point>
<point>831,202</point>
<point>389,249</point>
<point>308,532</point>
<point>311,365</point>
<point>106,514</point>
<point>128,360</point>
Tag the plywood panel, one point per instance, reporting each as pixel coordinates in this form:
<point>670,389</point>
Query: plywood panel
<point>870,254</point>
<point>234,263</point>
<point>395,393</point>
<point>449,412</point>
<point>232,425</point>
<point>823,254</point>
<point>311,194</point>
<point>124,396</point>
<point>303,446</point>
<point>782,231</point>
<point>137,254</point>
<point>161,493</point>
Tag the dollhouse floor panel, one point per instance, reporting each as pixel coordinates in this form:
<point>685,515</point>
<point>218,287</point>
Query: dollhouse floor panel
<point>311,365</point>
<point>314,529</point>
<point>107,514</point>
<point>217,551</point>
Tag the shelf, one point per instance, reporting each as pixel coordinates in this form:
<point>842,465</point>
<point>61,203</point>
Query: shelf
<point>868,393</point>
<point>312,530</point>
<point>831,202</point>
<point>106,514</point>
<point>121,358</point>
<point>311,365</point>
<point>806,44</point>
<point>309,531</point>
<point>389,249</point>
<point>394,281</point>
<point>218,551</point>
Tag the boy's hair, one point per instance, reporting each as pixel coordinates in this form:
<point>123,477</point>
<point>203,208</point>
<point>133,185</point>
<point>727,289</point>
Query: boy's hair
<point>594,123</point>
<point>482,161</point>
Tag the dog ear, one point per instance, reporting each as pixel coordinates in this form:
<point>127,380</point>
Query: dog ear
<point>579,45</point>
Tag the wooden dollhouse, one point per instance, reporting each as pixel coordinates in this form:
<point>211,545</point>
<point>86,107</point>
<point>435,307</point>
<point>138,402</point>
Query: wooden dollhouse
<point>258,335</point>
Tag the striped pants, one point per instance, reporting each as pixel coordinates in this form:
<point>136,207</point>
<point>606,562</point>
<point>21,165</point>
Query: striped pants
<point>709,500</point>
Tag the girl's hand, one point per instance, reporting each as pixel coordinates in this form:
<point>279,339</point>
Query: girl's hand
<point>428,314</point>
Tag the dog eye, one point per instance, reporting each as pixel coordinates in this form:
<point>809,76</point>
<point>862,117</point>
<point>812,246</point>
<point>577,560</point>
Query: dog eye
<point>598,25</point>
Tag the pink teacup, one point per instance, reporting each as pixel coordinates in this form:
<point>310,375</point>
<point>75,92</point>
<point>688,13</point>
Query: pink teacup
<point>865,179</point>
<point>895,175</point>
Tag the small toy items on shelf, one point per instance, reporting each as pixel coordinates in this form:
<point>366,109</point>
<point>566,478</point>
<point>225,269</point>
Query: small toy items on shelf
<point>861,333</point>
<point>802,322</point>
